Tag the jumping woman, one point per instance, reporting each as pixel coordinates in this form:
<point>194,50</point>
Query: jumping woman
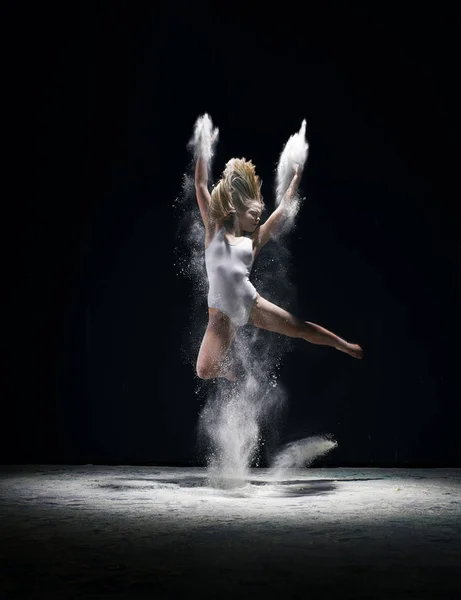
<point>233,239</point>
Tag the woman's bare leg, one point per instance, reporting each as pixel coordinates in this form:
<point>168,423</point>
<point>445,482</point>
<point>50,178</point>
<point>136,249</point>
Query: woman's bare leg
<point>273,318</point>
<point>213,358</point>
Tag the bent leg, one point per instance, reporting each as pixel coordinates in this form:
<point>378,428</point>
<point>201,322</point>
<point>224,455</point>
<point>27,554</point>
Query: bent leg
<point>271,317</point>
<point>213,358</point>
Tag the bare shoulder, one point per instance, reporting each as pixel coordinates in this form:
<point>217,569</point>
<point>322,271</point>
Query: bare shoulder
<point>210,232</point>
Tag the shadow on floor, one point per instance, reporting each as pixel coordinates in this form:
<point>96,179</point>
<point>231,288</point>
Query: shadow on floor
<point>292,488</point>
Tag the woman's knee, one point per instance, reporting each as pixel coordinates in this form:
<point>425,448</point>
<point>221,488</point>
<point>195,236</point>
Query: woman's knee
<point>299,328</point>
<point>292,327</point>
<point>206,370</point>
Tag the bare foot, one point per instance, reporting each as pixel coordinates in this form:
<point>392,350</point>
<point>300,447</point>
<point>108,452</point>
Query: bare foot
<point>353,349</point>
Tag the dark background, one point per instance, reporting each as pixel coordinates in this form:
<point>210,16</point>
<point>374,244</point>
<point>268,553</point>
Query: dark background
<point>101,101</point>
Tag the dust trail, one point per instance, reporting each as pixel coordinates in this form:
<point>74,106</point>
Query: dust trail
<point>238,426</point>
<point>301,453</point>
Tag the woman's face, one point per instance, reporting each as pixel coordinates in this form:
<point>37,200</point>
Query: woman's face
<point>249,219</point>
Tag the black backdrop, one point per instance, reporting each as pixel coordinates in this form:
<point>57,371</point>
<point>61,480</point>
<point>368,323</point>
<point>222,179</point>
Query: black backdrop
<point>101,103</point>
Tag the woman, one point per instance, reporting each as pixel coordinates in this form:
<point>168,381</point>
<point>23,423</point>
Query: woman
<point>233,239</point>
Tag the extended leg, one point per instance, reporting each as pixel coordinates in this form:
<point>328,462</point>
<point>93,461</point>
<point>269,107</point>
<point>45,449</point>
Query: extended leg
<point>267,315</point>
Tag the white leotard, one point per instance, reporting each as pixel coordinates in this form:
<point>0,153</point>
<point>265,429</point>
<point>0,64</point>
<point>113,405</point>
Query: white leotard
<point>228,268</point>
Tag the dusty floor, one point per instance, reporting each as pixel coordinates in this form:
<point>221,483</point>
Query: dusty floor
<point>144,532</point>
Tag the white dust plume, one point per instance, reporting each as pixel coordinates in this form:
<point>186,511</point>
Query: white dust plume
<point>204,138</point>
<point>294,153</point>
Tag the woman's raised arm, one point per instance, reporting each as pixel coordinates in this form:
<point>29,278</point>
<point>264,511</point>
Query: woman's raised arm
<point>201,189</point>
<point>267,229</point>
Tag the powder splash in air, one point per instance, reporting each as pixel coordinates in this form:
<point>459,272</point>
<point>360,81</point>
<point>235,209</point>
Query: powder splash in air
<point>204,138</point>
<point>301,453</point>
<point>294,153</point>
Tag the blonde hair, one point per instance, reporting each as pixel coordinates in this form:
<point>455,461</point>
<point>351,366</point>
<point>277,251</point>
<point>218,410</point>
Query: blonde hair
<point>238,187</point>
